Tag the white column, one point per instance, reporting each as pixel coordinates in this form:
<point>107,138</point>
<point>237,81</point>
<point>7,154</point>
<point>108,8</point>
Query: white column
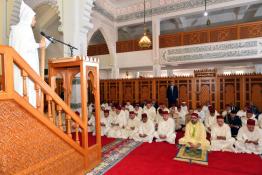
<point>115,66</point>
<point>155,37</point>
<point>76,24</point>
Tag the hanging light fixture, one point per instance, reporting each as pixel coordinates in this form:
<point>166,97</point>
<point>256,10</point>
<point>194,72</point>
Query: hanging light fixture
<point>206,14</point>
<point>145,41</point>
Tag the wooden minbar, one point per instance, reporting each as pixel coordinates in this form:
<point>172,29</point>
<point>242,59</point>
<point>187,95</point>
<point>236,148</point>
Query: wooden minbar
<point>67,69</point>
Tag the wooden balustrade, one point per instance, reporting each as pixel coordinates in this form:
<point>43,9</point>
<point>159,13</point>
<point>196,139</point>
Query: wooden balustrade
<point>99,49</point>
<point>213,34</point>
<point>219,90</point>
<point>56,106</point>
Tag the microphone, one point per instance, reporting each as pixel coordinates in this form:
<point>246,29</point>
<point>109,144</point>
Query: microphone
<point>51,39</point>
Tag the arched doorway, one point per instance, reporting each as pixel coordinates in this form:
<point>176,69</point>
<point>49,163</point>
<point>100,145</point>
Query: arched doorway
<point>97,45</point>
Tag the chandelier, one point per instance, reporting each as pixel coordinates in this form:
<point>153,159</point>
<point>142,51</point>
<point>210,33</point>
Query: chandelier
<point>145,41</point>
<point>206,14</point>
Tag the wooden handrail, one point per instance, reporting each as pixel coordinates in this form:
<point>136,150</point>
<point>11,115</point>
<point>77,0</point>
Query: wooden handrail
<point>9,58</point>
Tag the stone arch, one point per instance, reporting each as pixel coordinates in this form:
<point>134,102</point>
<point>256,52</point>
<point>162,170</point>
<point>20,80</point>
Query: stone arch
<point>105,35</point>
<point>33,4</point>
<point>48,21</point>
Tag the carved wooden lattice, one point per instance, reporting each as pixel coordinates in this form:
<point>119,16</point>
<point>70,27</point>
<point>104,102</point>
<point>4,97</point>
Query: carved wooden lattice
<point>220,90</point>
<point>145,89</point>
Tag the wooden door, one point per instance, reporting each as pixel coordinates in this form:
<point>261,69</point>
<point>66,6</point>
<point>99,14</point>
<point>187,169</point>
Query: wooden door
<point>205,91</point>
<point>256,95</point>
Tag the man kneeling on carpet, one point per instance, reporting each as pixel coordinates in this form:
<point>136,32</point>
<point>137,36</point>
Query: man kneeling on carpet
<point>195,134</point>
<point>131,128</point>
<point>221,139</point>
<point>166,129</point>
<point>145,130</point>
<point>249,139</point>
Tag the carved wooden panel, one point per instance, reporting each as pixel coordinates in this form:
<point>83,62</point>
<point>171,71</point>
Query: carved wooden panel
<point>218,90</point>
<point>230,94</point>
<point>128,91</point>
<point>224,34</point>
<point>161,88</point>
<point>124,46</point>
<point>204,94</point>
<point>197,37</point>
<point>33,151</point>
<point>113,91</point>
<point>145,90</point>
<point>216,34</point>
<point>169,40</point>
<point>256,95</point>
<point>251,31</point>
<point>183,93</point>
<point>99,49</point>
<point>162,95</point>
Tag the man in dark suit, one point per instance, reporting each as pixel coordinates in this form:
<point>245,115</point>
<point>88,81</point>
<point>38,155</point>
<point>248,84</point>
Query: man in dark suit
<point>172,94</point>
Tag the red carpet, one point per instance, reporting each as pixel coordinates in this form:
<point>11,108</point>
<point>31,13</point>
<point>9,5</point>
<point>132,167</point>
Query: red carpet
<point>157,158</point>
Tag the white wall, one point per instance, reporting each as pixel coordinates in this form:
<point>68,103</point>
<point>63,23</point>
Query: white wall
<point>135,59</point>
<point>104,61</point>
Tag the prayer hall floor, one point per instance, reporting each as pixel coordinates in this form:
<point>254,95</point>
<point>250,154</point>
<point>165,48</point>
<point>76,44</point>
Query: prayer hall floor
<point>157,158</point>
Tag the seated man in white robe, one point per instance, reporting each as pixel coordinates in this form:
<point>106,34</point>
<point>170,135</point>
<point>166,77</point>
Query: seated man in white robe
<point>184,107</point>
<point>102,110</point>
<point>138,111</point>
<point>227,110</point>
<point>205,107</point>
<point>249,139</point>
<point>166,129</point>
<point>145,131</point>
<point>173,109</point>
<point>159,117</point>
<point>131,129</point>
<point>105,122</point>
<point>92,122</point>
<point>195,134</point>
<point>175,116</point>
<point>243,113</point>
<point>163,107</point>
<point>210,119</point>
<point>200,113</point>
<point>129,106</point>
<point>181,117</point>
<point>112,112</point>
<point>126,111</point>
<point>117,124</point>
<point>260,121</point>
<point>249,115</point>
<point>221,139</point>
<point>150,110</point>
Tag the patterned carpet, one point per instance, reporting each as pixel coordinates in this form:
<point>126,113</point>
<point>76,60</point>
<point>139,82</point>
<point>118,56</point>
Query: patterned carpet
<point>113,153</point>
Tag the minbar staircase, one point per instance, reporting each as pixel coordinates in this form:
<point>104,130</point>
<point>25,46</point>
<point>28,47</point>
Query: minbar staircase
<point>32,142</point>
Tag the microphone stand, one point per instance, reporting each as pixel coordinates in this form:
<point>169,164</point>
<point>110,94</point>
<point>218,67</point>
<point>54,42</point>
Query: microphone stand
<point>66,44</point>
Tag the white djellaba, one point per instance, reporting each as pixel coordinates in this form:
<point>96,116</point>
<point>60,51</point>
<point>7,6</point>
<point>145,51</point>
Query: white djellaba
<point>145,131</point>
<point>246,138</point>
<point>166,129</point>
<point>221,129</point>
<point>23,41</point>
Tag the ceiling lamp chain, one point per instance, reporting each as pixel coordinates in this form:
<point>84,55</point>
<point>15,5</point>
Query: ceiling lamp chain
<point>206,14</point>
<point>145,41</point>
